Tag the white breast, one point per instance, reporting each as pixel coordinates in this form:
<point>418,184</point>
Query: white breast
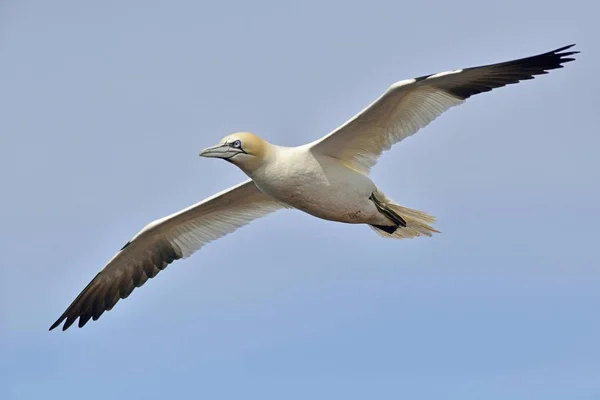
<point>318,185</point>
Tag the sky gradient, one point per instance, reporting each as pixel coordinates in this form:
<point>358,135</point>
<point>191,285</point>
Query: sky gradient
<point>105,106</point>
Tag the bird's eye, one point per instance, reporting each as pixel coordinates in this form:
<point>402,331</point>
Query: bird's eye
<point>237,144</point>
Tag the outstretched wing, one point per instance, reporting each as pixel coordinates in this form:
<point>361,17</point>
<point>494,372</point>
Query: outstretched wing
<point>410,105</point>
<point>161,242</point>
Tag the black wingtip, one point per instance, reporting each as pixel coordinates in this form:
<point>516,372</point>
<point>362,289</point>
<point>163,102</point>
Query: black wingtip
<point>564,48</point>
<point>57,323</point>
<point>555,58</point>
<point>562,53</point>
<point>511,72</point>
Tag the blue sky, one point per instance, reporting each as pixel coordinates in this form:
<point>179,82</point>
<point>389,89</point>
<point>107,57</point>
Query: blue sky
<point>105,106</point>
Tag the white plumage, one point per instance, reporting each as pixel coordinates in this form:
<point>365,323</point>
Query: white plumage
<point>327,178</point>
<point>191,228</point>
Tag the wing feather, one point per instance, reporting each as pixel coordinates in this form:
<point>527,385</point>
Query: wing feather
<point>163,241</point>
<point>409,105</point>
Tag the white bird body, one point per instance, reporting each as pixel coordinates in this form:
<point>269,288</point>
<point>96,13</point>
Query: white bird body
<point>327,178</point>
<point>317,184</point>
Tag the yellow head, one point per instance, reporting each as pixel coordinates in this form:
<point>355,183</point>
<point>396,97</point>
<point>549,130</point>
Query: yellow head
<point>244,149</point>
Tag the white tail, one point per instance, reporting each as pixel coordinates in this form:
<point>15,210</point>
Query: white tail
<point>417,223</point>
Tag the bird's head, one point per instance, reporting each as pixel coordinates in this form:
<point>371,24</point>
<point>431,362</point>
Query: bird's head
<point>244,149</point>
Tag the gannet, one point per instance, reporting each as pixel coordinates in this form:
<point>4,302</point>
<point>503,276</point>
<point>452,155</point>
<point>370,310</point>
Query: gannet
<point>328,179</point>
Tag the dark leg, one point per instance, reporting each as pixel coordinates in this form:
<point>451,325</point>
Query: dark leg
<point>388,212</point>
<point>386,228</point>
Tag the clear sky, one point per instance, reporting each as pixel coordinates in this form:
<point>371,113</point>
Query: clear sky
<point>105,106</point>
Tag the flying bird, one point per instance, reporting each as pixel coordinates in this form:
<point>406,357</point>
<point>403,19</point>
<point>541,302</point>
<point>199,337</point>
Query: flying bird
<point>328,179</point>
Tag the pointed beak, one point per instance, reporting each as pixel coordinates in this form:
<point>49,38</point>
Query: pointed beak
<point>220,151</point>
